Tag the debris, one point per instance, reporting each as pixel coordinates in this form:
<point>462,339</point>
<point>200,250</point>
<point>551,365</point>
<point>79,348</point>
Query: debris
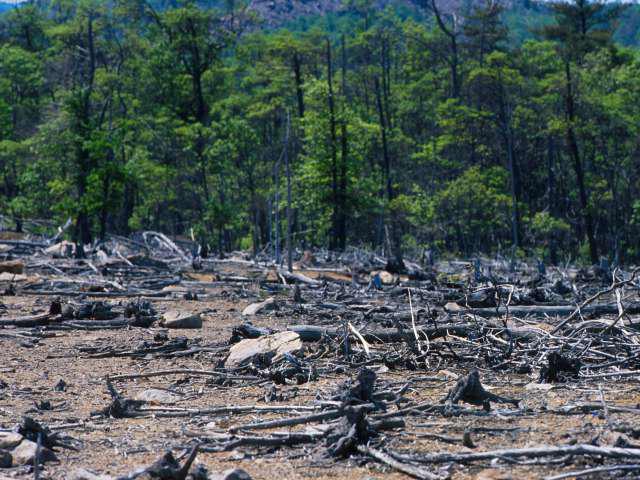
<point>557,363</point>
<point>470,390</point>
<point>165,468</point>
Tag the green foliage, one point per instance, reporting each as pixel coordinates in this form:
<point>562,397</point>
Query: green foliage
<point>471,211</point>
<point>137,115</point>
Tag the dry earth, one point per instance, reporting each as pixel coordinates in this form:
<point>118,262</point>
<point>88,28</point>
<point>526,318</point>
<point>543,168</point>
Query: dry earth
<point>118,446</point>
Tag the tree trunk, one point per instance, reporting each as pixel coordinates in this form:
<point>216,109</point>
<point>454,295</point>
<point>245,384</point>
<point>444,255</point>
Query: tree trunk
<point>395,263</point>
<point>335,214</point>
<point>574,152</point>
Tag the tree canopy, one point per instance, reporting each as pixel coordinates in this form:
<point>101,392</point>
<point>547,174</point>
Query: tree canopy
<point>396,132</point>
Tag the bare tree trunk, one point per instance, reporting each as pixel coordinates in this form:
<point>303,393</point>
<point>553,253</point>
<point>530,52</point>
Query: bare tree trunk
<point>344,154</point>
<point>289,208</point>
<point>574,152</point>
<point>333,241</point>
<point>395,263</point>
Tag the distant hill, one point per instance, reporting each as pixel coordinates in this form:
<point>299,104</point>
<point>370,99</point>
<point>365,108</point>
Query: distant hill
<point>4,6</point>
<point>521,16</point>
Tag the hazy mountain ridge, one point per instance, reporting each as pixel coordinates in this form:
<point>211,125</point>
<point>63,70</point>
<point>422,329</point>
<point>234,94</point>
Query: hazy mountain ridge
<point>520,15</point>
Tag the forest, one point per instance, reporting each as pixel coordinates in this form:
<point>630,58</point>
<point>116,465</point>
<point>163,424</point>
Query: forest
<point>413,129</point>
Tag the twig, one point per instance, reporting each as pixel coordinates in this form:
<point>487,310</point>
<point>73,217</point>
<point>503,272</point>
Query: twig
<point>590,471</point>
<point>162,373</point>
<point>613,287</point>
<point>412,471</point>
<point>544,451</point>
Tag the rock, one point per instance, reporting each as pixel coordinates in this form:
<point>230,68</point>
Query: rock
<point>25,453</point>
<point>177,319</point>
<point>386,278</point>
<point>157,396</point>
<point>10,440</point>
<point>270,348</point>
<point>63,249</point>
<point>232,474</point>
<point>268,304</point>
<point>6,460</point>
<point>545,387</point>
<point>12,266</point>
<point>82,474</point>
<point>12,277</point>
<point>493,474</point>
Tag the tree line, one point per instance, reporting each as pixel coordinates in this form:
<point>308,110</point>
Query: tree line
<point>401,133</point>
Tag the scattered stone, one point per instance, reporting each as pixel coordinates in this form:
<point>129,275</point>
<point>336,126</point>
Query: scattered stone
<point>267,349</point>
<point>10,440</point>
<point>156,396</point>
<point>82,474</point>
<point>25,453</point>
<point>177,319</point>
<point>233,474</point>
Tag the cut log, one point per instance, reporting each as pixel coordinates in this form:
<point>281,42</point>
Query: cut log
<point>254,308</point>
<point>27,322</point>
<point>541,310</point>
<point>12,266</point>
<point>298,277</point>
<point>270,347</point>
<point>313,333</point>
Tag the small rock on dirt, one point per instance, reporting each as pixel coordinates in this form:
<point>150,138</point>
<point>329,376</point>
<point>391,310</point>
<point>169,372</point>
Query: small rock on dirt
<point>25,453</point>
<point>270,346</point>
<point>177,319</point>
<point>10,439</point>
<point>233,474</point>
<point>82,474</point>
<point>153,395</point>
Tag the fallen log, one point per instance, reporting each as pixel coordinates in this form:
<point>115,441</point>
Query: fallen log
<point>23,243</point>
<point>313,333</point>
<point>543,451</point>
<point>79,293</point>
<point>298,277</point>
<point>28,321</point>
<point>411,470</point>
<point>541,310</point>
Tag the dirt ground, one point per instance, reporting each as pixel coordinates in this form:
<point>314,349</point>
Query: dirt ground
<point>31,369</point>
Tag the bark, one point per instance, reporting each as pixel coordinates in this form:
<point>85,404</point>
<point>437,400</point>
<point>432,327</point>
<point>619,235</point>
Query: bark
<point>578,167</point>
<point>335,214</point>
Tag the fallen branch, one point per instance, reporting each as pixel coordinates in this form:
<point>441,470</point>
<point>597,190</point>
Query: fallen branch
<point>544,451</point>
<point>412,471</point>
